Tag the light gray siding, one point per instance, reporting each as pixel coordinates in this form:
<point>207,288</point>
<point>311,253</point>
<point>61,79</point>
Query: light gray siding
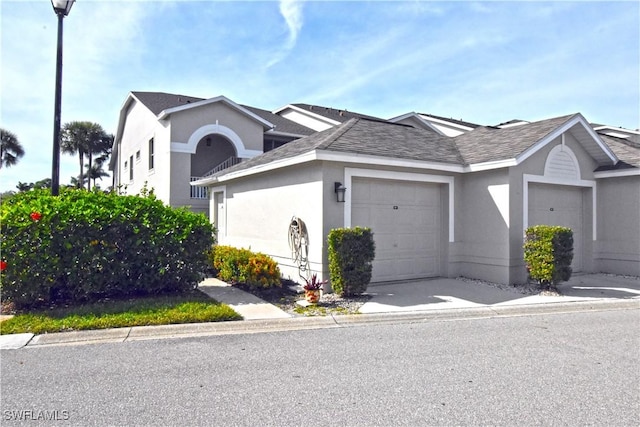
<point>618,241</point>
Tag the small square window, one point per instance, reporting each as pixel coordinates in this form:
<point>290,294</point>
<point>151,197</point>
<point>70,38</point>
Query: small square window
<point>126,164</point>
<point>138,156</point>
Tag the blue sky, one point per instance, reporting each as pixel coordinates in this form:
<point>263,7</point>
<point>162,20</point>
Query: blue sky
<point>484,62</point>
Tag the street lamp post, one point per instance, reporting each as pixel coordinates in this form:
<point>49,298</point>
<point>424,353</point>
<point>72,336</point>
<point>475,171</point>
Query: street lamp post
<point>62,9</point>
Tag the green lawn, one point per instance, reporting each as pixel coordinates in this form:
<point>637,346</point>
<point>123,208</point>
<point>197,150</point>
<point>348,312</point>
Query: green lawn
<point>192,307</point>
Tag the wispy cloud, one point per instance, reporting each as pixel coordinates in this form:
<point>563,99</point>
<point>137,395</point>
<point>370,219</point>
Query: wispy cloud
<point>291,11</point>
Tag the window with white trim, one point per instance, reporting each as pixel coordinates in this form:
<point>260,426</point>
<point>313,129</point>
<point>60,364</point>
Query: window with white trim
<point>151,153</point>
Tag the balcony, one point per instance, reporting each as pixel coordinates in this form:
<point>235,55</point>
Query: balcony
<point>198,192</point>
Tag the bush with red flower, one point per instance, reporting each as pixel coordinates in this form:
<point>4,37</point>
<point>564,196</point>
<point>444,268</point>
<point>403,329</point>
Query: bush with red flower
<point>84,245</point>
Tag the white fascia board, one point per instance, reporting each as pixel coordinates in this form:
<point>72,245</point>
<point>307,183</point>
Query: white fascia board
<point>498,164</point>
<point>403,116</point>
<point>617,173</point>
<point>309,113</point>
<point>577,119</point>
<point>511,125</point>
<point>122,118</point>
<point>444,122</point>
<point>615,129</point>
<point>165,113</point>
<point>204,182</point>
<point>277,133</point>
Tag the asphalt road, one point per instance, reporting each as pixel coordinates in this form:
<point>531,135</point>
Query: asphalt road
<point>559,369</point>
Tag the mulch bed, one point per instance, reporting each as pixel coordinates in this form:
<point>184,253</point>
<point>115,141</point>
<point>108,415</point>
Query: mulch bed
<point>287,296</point>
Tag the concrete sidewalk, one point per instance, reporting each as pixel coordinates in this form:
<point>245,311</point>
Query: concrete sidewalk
<point>418,300</point>
<point>249,306</point>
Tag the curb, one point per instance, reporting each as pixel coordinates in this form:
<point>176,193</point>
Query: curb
<point>140,333</point>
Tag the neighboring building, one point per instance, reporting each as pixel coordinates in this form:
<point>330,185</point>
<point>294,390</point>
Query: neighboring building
<point>166,141</point>
<point>444,197</point>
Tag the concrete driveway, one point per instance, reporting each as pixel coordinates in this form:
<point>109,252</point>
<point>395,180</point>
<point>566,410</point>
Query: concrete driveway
<point>443,293</point>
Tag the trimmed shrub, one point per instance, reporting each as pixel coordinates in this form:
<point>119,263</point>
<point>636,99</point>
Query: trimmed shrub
<point>548,252</point>
<point>85,245</point>
<point>235,265</point>
<point>350,251</point>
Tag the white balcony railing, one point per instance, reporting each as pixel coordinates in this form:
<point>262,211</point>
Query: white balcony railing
<point>198,192</point>
<point>201,192</point>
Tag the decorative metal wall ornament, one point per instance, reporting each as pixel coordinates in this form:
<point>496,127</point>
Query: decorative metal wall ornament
<point>299,245</point>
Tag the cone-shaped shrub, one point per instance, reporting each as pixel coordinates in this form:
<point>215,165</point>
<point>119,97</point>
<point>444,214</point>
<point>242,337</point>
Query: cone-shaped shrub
<point>350,252</point>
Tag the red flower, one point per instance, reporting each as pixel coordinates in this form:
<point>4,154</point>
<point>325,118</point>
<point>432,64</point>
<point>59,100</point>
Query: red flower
<point>36,216</point>
<point>3,265</point>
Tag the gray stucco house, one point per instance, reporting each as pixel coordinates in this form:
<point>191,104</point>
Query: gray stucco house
<point>443,197</point>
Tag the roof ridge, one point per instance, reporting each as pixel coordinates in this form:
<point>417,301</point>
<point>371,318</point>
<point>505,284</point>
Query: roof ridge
<point>338,132</point>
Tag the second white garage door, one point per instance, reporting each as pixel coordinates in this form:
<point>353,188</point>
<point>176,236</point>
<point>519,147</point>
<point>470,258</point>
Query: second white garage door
<point>559,205</point>
<point>405,220</point>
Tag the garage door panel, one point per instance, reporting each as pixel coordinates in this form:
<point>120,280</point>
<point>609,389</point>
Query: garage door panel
<point>559,205</point>
<point>405,219</point>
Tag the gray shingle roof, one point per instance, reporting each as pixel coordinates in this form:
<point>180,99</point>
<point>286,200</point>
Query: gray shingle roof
<point>335,113</point>
<point>160,101</point>
<point>362,136</point>
<point>627,151</point>
<point>282,124</point>
<point>485,144</point>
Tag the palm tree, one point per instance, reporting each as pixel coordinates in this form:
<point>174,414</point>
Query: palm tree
<point>102,148</point>
<point>82,138</point>
<point>23,186</point>
<point>10,148</point>
<point>96,172</point>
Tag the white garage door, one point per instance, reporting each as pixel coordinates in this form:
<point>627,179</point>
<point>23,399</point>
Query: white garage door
<point>559,205</point>
<point>405,220</point>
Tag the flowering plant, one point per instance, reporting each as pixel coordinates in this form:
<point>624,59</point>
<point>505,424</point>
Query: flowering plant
<point>35,217</point>
<point>314,284</point>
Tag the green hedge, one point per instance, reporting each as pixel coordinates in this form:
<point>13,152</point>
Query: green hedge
<point>548,252</point>
<point>235,265</point>
<point>350,251</point>
<point>89,245</point>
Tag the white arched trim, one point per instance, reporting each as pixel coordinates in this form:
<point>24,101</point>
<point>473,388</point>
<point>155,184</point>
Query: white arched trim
<point>562,163</point>
<point>192,144</point>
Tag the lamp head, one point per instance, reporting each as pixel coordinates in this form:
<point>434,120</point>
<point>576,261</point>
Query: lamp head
<point>62,7</point>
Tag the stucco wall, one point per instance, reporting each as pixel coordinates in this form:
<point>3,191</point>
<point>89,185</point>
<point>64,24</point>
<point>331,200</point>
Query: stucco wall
<point>259,211</point>
<point>185,123</point>
<point>482,226</point>
<point>180,184</point>
<point>617,248</point>
<point>140,126</point>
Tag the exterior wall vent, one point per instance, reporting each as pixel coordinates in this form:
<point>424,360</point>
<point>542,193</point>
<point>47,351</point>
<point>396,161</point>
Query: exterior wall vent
<point>562,163</point>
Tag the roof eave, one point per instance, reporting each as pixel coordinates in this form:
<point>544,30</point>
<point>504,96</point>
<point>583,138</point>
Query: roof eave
<point>577,119</point>
<point>308,113</point>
